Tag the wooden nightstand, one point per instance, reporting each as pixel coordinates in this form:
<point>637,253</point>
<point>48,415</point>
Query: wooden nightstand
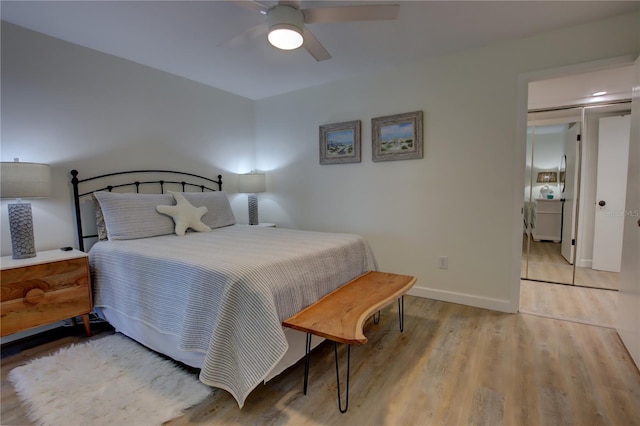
<point>53,286</point>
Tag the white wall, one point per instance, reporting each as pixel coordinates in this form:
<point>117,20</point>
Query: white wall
<point>463,199</point>
<point>72,107</point>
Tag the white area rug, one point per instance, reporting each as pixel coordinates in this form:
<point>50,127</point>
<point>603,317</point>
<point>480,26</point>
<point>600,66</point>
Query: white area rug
<point>107,381</point>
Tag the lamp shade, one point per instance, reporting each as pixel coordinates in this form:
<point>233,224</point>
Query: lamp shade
<point>547,177</point>
<point>252,183</point>
<point>24,180</point>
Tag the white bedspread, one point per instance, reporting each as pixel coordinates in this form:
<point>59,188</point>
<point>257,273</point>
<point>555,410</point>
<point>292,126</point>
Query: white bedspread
<point>226,292</point>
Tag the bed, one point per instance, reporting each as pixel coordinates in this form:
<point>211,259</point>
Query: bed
<point>212,300</point>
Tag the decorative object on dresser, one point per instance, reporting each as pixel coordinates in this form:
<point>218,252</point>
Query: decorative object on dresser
<point>340,143</point>
<point>397,137</point>
<point>51,287</point>
<point>252,184</point>
<point>23,180</point>
<point>546,178</point>
<point>113,381</point>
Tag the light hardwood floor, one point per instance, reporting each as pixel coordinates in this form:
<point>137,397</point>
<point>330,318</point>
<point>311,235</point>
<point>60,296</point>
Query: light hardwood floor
<point>545,263</point>
<point>453,365</point>
<point>571,303</point>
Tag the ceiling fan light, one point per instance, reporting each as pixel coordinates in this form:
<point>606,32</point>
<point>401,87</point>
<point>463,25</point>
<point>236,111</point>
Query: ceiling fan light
<point>285,36</point>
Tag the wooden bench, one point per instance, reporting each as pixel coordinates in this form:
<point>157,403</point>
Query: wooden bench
<point>340,315</point>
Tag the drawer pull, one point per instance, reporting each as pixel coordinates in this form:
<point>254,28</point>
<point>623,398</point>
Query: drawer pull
<point>34,295</point>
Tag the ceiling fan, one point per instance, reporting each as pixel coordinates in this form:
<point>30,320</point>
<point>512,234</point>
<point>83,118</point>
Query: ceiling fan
<point>285,27</point>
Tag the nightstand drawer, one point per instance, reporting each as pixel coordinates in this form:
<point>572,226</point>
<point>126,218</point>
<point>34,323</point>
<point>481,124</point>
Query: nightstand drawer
<point>44,293</point>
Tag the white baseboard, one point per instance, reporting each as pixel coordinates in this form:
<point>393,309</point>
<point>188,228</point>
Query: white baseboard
<point>584,263</point>
<point>500,305</point>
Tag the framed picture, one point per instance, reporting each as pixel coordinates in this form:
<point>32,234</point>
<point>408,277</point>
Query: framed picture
<point>397,137</point>
<point>340,143</point>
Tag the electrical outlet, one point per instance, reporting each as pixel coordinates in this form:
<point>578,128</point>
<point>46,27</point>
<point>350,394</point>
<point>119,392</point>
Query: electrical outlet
<point>443,262</point>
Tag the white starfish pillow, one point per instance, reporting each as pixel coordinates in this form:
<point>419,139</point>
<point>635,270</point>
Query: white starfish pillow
<point>185,215</point>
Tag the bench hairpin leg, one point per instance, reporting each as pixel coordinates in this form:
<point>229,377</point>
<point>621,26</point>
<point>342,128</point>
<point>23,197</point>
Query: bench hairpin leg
<point>346,404</point>
<point>401,312</point>
<point>306,362</point>
<point>376,317</point>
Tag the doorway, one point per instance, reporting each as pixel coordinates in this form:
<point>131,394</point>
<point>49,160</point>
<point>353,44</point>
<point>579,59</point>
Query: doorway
<point>572,222</point>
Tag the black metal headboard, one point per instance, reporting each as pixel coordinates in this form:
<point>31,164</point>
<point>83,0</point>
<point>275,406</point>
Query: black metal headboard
<point>137,184</point>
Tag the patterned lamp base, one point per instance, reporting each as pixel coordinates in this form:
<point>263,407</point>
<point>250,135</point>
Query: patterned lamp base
<point>21,225</point>
<point>253,209</point>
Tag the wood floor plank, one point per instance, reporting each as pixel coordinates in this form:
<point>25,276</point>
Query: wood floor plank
<point>452,365</point>
<point>487,408</point>
<point>555,409</point>
<point>521,404</point>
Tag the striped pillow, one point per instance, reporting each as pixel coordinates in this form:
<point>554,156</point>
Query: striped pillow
<point>129,216</point>
<point>100,226</point>
<point>219,212</point>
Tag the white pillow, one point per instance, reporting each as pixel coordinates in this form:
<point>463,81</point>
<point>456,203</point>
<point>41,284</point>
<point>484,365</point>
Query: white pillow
<point>185,215</point>
<point>219,210</point>
<point>129,216</point>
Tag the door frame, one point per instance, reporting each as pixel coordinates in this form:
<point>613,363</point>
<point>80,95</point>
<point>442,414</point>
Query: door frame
<point>520,153</point>
<point>587,151</point>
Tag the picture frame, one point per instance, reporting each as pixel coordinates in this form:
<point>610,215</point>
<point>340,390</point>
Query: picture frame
<point>397,137</point>
<point>340,142</point>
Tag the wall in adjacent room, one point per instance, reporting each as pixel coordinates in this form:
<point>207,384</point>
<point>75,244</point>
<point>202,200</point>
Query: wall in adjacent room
<point>75,108</point>
<point>463,199</point>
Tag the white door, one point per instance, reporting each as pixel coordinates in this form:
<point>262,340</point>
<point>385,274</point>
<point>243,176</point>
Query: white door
<point>629,294</point>
<point>611,191</point>
<point>568,249</point>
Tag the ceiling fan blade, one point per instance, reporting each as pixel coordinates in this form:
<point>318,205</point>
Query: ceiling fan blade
<point>245,36</point>
<point>383,12</point>
<point>293,3</point>
<point>252,5</point>
<point>313,46</point>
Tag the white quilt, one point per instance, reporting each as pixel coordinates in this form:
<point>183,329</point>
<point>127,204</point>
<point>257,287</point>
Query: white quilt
<point>226,292</point>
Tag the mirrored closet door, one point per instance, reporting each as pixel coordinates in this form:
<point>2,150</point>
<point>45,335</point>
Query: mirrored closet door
<point>571,195</point>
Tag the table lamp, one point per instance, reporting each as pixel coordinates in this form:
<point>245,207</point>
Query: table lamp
<point>23,180</point>
<point>252,184</point>
<point>547,177</point>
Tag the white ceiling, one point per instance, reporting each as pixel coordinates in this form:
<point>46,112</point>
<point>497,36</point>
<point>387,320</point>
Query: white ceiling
<point>181,37</point>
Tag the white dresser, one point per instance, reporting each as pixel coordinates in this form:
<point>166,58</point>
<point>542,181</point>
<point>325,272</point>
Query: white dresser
<point>548,220</point>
